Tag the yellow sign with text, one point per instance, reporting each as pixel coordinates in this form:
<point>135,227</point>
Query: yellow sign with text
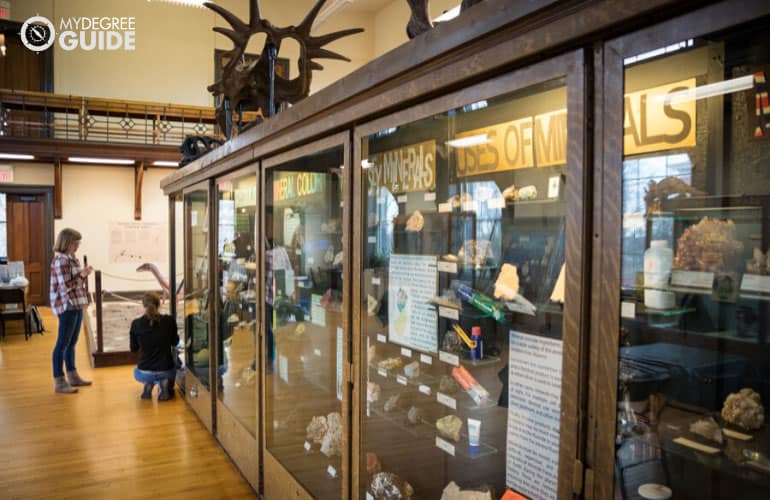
<point>409,168</point>
<point>660,118</point>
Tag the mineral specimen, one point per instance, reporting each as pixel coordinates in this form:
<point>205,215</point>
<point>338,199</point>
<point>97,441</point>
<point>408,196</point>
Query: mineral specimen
<point>453,492</point>
<point>708,428</point>
<point>447,385</point>
<point>758,262</point>
<point>710,245</point>
<point>392,403</point>
<point>390,363</point>
<point>371,353</point>
<point>332,441</point>
<point>476,252</point>
<point>511,193</point>
<point>668,188</point>
<point>449,427</point>
<point>413,416</point>
<point>372,392</point>
<point>388,486</point>
<point>527,193</point>
<point>449,257</point>
<point>744,409</point>
<point>415,222</point>
<point>507,284</point>
<point>316,429</point>
<point>457,200</point>
<point>373,465</point>
<point>372,305</point>
<point>412,370</point>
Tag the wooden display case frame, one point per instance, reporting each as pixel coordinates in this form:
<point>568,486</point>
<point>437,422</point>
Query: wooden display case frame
<point>608,140</point>
<point>571,68</point>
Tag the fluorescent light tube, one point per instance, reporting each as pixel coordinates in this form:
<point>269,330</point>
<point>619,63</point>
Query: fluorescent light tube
<point>448,15</point>
<point>163,163</point>
<point>11,156</point>
<point>710,90</point>
<point>471,140</point>
<point>103,161</point>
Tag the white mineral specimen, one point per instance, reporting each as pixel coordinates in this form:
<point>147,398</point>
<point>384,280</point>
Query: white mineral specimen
<point>708,428</point>
<point>316,429</point>
<point>332,441</point>
<point>744,409</point>
<point>412,370</point>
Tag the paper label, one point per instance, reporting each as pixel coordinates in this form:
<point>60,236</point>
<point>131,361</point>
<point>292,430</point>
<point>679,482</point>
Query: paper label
<point>430,196</point>
<point>401,199</point>
<point>628,310</point>
<point>755,283</point>
<point>382,338</point>
<point>444,207</point>
<point>447,267</point>
<point>401,379</point>
<point>331,471</point>
<point>496,203</point>
<point>383,372</point>
<point>372,239</point>
<point>307,446</point>
<point>445,445</point>
<point>447,401</point>
<point>448,312</point>
<point>426,359</point>
<point>283,368</point>
<point>340,376</point>
<point>342,204</point>
<point>424,389</point>
<point>375,280</point>
<point>692,279</point>
<point>406,352</point>
<point>553,186</point>
<point>449,358</point>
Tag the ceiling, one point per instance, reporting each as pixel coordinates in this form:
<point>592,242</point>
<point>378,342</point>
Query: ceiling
<point>369,5</point>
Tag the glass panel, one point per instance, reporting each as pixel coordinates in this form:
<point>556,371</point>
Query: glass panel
<point>464,244</point>
<point>694,368</point>
<point>3,229</point>
<point>237,327</point>
<point>196,307</point>
<point>305,320</point>
<point>178,278</point>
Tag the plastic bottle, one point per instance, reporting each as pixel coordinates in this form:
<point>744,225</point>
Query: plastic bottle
<point>477,353</point>
<point>658,260</point>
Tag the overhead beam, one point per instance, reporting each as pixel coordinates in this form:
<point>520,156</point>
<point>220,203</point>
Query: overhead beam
<point>138,178</point>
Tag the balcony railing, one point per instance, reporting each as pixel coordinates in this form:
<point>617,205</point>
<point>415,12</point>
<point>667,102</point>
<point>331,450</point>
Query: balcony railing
<point>39,115</point>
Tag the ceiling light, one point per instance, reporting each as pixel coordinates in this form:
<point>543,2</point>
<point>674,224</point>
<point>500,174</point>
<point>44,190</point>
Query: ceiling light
<point>366,164</point>
<point>471,140</point>
<point>163,163</point>
<point>11,156</point>
<point>448,15</point>
<point>101,161</point>
<point>710,90</point>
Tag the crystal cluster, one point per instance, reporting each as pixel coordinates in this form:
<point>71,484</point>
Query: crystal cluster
<point>710,245</point>
<point>744,409</point>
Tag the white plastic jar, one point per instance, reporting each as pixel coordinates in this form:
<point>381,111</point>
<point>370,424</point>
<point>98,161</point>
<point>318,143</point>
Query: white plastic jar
<point>658,260</point>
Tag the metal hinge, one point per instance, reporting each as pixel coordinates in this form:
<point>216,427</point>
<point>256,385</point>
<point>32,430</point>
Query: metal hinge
<point>577,477</point>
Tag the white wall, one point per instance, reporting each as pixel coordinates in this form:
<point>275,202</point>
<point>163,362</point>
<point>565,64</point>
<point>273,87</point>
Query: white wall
<point>390,23</point>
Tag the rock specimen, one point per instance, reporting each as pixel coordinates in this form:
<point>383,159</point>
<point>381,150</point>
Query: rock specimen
<point>511,193</point>
<point>453,492</point>
<point>449,427</point>
<point>332,441</point>
<point>413,416</point>
<point>744,409</point>
<point>758,262</point>
<point>372,392</point>
<point>447,385</point>
<point>668,188</point>
<point>507,284</point>
<point>415,222</point>
<point>412,370</point>
<point>373,465</point>
<point>388,486</point>
<point>392,403</point>
<point>710,245</point>
<point>390,363</point>
<point>457,200</point>
<point>527,193</point>
<point>371,353</point>
<point>372,305</point>
<point>449,257</point>
<point>316,429</point>
<point>708,428</point>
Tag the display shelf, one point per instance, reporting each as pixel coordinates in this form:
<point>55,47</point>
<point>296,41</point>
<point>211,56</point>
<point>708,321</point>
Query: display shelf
<point>486,361</point>
<point>423,379</point>
<point>642,309</point>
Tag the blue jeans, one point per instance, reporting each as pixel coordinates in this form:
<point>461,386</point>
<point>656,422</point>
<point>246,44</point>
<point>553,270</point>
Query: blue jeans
<point>64,350</point>
<point>149,377</point>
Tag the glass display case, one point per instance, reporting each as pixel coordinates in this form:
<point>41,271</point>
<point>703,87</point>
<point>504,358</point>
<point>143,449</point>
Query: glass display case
<point>694,361</point>
<point>463,229</point>
<point>237,297</point>
<point>176,281</point>
<point>306,322</point>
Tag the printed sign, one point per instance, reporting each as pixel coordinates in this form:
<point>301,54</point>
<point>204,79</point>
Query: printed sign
<point>413,281</point>
<point>410,168</point>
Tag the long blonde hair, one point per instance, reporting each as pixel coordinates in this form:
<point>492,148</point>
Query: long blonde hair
<point>151,303</point>
<point>65,238</point>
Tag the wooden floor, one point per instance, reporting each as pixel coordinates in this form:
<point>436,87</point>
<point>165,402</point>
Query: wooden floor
<point>104,442</point>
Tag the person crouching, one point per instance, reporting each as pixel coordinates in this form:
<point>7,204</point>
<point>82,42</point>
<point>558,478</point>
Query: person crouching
<point>155,335</point>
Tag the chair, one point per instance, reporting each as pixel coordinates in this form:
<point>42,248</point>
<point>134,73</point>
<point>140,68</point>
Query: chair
<point>14,296</point>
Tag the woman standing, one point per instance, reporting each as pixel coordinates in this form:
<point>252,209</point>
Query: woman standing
<point>68,299</point>
<point>156,336</point>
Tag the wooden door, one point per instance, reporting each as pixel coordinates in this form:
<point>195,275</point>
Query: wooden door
<point>27,230</point>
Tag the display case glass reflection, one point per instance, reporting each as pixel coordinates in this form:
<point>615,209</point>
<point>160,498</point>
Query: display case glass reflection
<point>196,296</point>
<point>237,297</point>
<point>693,374</point>
<point>464,246</point>
<point>177,283</point>
<point>305,319</point>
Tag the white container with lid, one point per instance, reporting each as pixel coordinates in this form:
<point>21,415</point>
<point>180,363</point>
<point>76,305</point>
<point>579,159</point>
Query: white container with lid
<point>658,261</point>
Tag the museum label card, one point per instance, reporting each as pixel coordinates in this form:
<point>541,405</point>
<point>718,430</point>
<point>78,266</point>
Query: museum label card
<point>372,239</point>
<point>401,379</point>
<point>444,207</point>
<point>445,445</point>
<point>447,401</point>
<point>692,279</point>
<point>382,338</point>
<point>426,359</point>
<point>628,310</point>
<point>755,283</point>
<point>375,280</point>
<point>332,471</point>
<point>307,446</point>
<point>317,352</point>
<point>448,312</point>
<point>449,358</point>
<point>447,267</point>
<point>383,372</point>
<point>430,196</point>
<point>406,352</point>
<point>553,186</point>
<point>402,198</point>
<point>424,389</point>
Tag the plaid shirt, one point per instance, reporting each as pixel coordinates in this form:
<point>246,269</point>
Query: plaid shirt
<point>68,290</point>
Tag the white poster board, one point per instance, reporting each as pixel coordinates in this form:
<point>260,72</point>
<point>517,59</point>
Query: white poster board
<point>413,281</point>
<point>138,242</point>
<point>534,405</point>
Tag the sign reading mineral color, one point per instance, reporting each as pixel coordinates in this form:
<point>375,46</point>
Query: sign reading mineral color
<point>409,168</point>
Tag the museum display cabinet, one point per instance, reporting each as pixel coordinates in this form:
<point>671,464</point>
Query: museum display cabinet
<point>522,256</point>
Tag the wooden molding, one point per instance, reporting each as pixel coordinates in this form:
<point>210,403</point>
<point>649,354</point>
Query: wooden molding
<point>57,190</point>
<point>138,178</point>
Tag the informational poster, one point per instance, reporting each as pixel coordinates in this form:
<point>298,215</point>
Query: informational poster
<point>138,242</point>
<point>534,405</point>
<point>413,281</point>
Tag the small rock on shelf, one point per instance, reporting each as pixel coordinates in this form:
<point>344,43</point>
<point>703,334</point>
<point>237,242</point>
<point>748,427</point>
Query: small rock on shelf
<point>412,370</point>
<point>388,486</point>
<point>449,427</point>
<point>744,409</point>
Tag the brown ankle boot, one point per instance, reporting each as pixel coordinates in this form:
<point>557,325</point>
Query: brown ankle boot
<point>61,385</point>
<point>75,379</point>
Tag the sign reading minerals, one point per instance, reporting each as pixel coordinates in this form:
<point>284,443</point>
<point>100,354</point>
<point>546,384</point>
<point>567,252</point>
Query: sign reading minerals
<point>409,168</point>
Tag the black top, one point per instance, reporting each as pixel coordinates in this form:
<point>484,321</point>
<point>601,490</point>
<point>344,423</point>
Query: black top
<point>155,341</point>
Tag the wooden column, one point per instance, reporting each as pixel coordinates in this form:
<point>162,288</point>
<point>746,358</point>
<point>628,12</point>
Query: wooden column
<point>57,189</point>
<point>138,176</point>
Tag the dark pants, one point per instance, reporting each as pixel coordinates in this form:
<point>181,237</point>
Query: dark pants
<point>64,350</point>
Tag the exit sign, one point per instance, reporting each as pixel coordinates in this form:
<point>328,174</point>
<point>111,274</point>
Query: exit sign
<point>5,9</point>
<point>6,173</point>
